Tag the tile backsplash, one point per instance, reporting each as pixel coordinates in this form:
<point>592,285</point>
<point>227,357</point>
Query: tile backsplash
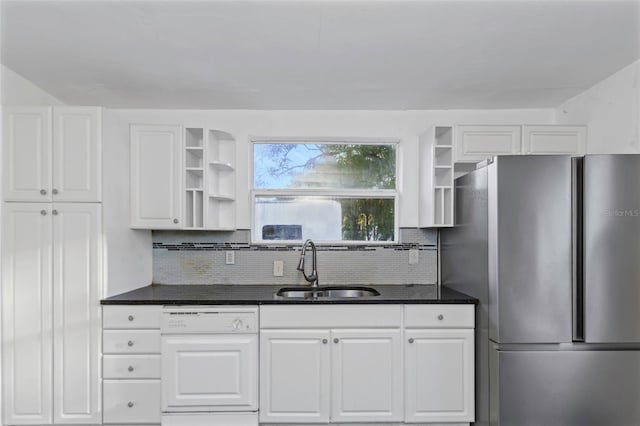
<point>187,257</point>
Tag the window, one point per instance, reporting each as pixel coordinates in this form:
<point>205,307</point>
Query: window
<point>327,191</point>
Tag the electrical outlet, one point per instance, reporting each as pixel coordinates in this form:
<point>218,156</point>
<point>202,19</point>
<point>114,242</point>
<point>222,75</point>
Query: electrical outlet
<point>414,257</point>
<point>230,258</point>
<point>278,268</point>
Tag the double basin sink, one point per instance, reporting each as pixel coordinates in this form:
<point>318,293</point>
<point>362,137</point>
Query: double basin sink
<point>327,292</point>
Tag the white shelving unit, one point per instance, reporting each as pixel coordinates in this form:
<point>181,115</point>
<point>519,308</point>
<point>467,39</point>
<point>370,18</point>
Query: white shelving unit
<point>220,180</point>
<point>209,179</point>
<point>436,177</point>
<point>194,178</point>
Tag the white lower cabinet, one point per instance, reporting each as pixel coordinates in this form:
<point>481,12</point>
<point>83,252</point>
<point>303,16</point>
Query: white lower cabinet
<point>366,375</point>
<point>439,364</point>
<point>131,391</point>
<point>294,376</point>
<point>131,401</point>
<point>331,369</point>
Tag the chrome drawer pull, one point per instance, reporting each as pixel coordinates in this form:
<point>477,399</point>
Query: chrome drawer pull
<point>130,318</point>
<point>440,317</point>
<point>411,340</point>
<point>130,369</point>
<point>130,343</point>
<point>130,404</point>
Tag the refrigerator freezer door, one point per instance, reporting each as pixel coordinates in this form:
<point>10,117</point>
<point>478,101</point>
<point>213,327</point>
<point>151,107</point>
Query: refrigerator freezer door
<point>612,248</point>
<point>529,240</point>
<point>565,388</point>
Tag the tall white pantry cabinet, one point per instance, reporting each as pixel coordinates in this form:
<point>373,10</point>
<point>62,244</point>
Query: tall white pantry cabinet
<point>51,265</point>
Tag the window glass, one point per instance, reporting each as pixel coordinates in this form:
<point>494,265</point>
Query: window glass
<point>304,165</point>
<point>324,191</point>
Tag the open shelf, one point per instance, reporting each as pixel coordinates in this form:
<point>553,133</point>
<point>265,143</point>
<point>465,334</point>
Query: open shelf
<point>436,177</point>
<point>193,137</point>
<point>209,179</point>
<point>221,166</point>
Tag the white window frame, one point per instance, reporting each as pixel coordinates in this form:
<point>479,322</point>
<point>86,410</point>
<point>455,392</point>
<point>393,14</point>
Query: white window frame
<point>338,193</point>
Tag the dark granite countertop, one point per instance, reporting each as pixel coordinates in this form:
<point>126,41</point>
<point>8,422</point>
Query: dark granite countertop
<point>164,294</point>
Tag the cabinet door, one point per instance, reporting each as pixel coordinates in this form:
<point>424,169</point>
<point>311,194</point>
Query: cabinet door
<point>201,372</point>
<point>439,373</point>
<point>76,154</point>
<point>27,153</point>
<point>477,143</point>
<point>294,376</point>
<point>366,379</point>
<point>77,291</point>
<point>156,184</point>
<point>26,313</point>
<point>554,140</point>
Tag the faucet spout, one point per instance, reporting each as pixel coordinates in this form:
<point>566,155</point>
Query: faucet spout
<point>313,278</point>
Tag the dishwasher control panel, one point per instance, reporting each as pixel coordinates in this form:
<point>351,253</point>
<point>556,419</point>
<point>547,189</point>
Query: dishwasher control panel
<point>207,320</point>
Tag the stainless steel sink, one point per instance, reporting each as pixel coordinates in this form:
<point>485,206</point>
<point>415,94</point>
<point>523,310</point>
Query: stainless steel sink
<point>327,292</point>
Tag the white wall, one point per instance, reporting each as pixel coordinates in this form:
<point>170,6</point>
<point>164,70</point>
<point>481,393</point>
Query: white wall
<point>243,125</point>
<point>17,90</point>
<point>611,109</point>
<point>128,254</point>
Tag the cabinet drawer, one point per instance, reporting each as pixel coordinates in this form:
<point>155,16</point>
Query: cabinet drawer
<point>326,316</point>
<point>439,316</point>
<point>131,341</point>
<point>131,316</point>
<point>131,366</point>
<point>131,401</point>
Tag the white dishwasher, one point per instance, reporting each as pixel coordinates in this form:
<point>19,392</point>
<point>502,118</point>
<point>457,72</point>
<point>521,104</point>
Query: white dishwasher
<point>209,366</point>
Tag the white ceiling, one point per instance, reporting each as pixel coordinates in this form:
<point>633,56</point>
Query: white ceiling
<point>318,54</point>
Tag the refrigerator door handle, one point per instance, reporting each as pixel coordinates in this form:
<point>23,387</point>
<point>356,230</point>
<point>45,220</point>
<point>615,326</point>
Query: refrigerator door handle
<point>577,280</point>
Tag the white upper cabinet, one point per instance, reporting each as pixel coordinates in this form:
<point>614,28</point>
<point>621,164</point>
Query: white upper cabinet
<point>49,159</point>
<point>27,153</point>
<point>77,166</point>
<point>477,143</point>
<point>182,178</point>
<point>156,171</point>
<point>554,140</point>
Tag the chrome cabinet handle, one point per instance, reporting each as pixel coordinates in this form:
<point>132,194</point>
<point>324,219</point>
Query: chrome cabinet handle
<point>175,220</point>
<point>130,343</point>
<point>54,212</point>
<point>440,317</point>
<point>130,404</point>
<point>43,192</point>
<point>324,341</point>
<point>130,368</point>
<point>43,212</point>
<point>336,340</point>
<point>411,340</point>
<point>54,191</point>
<point>130,318</point>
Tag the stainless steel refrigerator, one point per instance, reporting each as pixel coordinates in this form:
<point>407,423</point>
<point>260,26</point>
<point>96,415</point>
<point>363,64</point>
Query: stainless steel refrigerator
<point>550,245</point>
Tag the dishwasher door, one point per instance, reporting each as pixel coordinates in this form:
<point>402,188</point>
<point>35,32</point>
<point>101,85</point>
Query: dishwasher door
<point>209,372</point>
